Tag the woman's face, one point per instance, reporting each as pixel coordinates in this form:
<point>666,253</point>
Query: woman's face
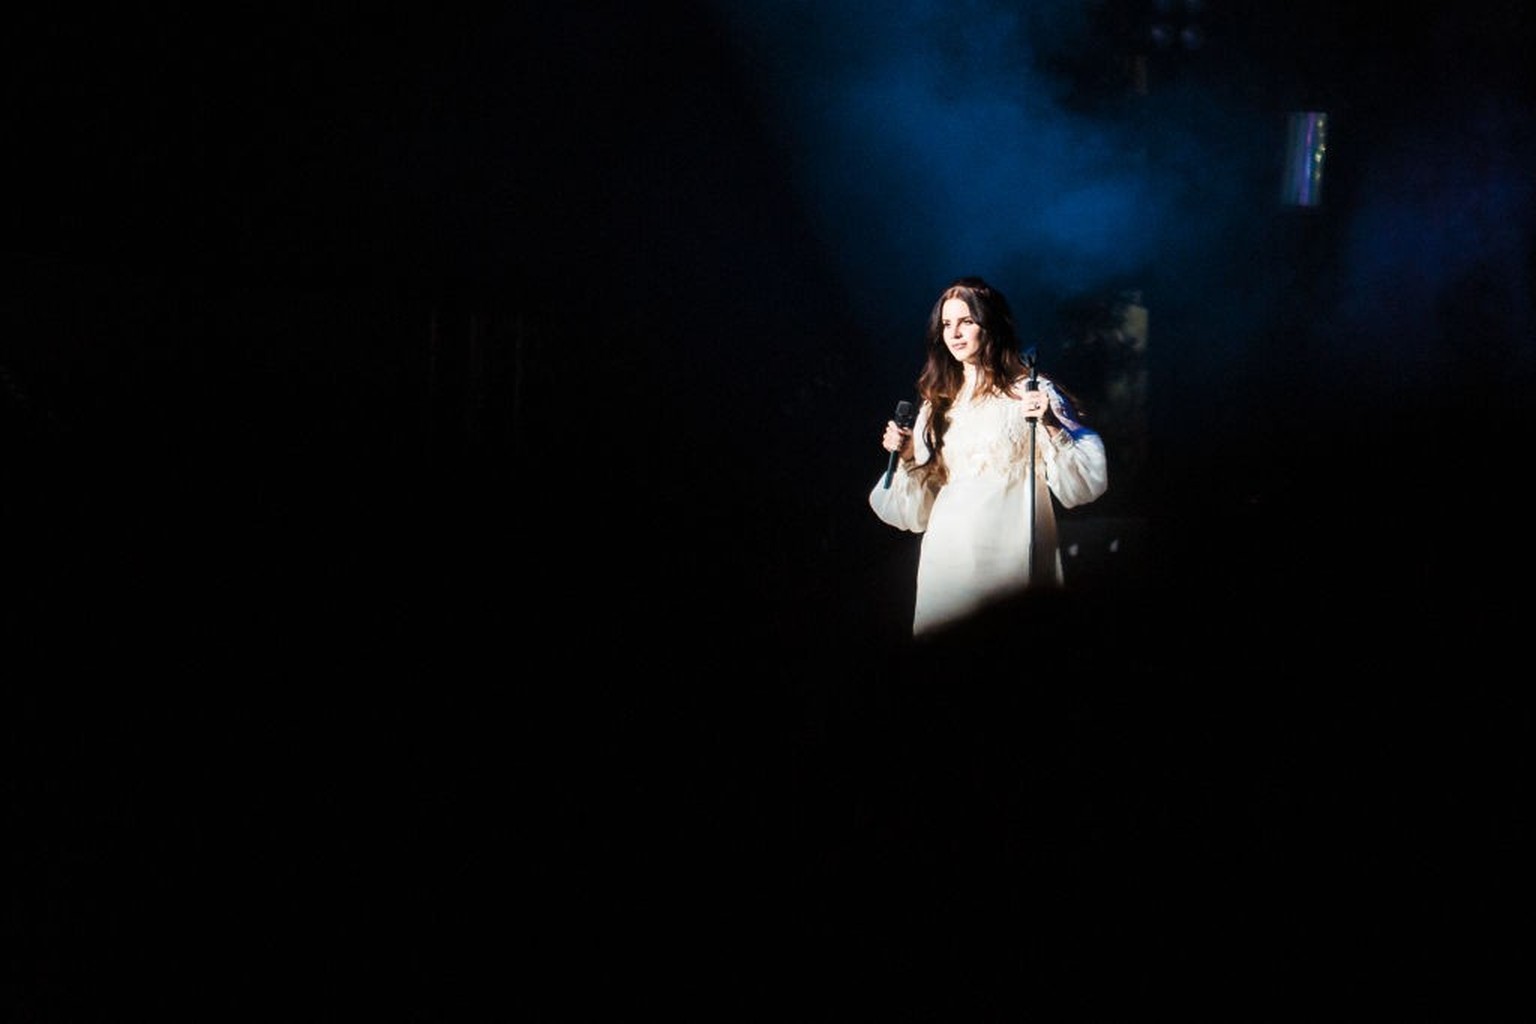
<point>961,333</point>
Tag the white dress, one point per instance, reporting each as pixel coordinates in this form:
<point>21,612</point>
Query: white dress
<point>976,531</point>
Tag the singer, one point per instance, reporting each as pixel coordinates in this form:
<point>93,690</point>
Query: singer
<point>987,422</point>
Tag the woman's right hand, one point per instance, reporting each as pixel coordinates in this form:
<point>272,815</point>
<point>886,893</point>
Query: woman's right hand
<point>897,439</point>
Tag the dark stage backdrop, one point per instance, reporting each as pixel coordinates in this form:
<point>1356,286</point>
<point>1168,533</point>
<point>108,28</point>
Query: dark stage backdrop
<point>441,582</point>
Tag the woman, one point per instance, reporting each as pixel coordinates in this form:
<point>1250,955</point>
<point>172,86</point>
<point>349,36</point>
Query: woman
<point>963,475</point>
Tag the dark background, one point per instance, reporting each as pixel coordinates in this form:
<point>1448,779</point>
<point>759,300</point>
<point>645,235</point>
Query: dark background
<point>441,582</point>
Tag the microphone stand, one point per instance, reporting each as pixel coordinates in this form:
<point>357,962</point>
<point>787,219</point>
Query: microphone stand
<point>1034,425</point>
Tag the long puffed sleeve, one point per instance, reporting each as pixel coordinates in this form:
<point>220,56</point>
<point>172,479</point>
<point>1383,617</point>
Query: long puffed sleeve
<point>907,502</point>
<point>1076,465</point>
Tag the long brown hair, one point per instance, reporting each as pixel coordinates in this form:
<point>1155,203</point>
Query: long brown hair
<point>998,365</point>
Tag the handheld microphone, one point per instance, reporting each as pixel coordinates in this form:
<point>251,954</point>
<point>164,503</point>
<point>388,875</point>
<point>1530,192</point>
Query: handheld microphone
<point>904,417</point>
